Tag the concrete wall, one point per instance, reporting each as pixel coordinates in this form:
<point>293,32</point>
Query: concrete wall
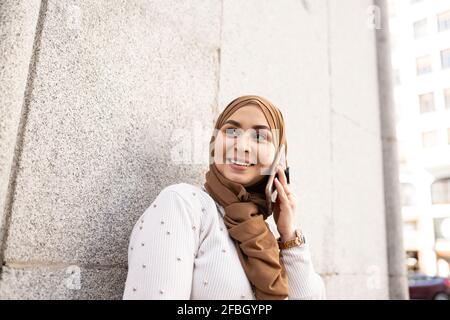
<point>113,90</point>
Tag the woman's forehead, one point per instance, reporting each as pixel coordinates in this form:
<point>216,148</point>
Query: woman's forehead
<point>249,116</point>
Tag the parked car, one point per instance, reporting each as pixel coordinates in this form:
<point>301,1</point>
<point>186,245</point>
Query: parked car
<point>428,287</point>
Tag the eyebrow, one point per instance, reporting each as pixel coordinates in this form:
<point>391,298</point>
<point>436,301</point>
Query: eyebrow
<point>237,124</point>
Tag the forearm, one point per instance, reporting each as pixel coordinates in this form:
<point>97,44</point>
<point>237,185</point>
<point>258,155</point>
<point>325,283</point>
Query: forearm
<point>304,281</point>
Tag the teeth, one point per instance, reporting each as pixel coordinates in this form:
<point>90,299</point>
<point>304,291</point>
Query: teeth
<point>240,163</point>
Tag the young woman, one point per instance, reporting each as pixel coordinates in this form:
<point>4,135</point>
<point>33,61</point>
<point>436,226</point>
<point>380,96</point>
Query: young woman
<point>213,241</point>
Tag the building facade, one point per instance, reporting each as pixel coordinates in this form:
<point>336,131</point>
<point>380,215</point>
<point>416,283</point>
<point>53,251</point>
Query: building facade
<point>420,33</point>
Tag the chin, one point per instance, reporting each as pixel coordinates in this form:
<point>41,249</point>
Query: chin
<point>239,178</point>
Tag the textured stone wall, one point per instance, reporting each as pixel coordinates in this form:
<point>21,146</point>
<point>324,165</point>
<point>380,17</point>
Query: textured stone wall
<point>104,103</point>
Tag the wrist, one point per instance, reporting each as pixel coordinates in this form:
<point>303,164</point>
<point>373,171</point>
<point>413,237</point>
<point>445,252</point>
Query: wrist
<point>288,235</point>
<point>288,242</point>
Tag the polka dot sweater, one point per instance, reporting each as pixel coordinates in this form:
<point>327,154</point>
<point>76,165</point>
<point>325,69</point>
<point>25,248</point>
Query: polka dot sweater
<point>180,249</point>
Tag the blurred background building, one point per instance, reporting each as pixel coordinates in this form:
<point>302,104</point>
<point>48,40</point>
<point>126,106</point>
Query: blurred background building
<point>420,34</point>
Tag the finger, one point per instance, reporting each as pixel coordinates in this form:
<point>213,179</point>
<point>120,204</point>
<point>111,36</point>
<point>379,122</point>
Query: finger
<point>281,192</point>
<point>283,160</point>
<point>283,180</point>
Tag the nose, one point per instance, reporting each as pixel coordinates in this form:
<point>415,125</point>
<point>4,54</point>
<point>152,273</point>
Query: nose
<point>243,147</point>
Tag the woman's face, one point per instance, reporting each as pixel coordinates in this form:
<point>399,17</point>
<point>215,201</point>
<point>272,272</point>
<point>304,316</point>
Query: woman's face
<point>247,138</point>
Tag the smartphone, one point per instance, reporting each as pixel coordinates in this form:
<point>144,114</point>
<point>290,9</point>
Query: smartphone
<point>270,187</point>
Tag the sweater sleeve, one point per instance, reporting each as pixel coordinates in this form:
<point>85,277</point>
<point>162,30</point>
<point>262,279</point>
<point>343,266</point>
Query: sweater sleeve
<point>304,282</point>
<point>161,251</point>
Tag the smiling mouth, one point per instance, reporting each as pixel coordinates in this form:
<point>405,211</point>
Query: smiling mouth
<point>241,164</point>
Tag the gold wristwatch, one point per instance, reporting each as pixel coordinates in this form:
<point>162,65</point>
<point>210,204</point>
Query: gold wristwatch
<point>299,240</point>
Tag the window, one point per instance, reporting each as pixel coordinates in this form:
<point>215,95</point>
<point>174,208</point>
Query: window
<point>447,98</point>
<point>429,139</point>
<point>410,226</point>
<point>420,28</point>
<point>443,20</point>
<point>413,265</point>
<point>408,194</point>
<point>440,191</point>
<point>441,228</point>
<point>423,65</point>
<point>445,58</point>
<point>426,102</point>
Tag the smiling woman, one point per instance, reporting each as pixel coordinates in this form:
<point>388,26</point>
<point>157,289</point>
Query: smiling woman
<point>245,147</point>
<point>217,241</point>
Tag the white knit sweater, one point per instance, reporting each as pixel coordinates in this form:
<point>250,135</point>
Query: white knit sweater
<point>180,249</point>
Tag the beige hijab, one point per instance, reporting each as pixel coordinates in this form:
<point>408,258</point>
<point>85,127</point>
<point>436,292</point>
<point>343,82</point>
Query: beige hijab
<point>246,210</point>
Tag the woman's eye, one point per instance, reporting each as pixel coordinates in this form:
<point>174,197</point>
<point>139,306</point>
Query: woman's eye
<point>261,136</point>
<point>232,132</point>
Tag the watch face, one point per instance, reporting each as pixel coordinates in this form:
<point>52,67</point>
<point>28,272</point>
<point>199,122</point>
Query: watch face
<point>303,239</point>
<point>300,236</point>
